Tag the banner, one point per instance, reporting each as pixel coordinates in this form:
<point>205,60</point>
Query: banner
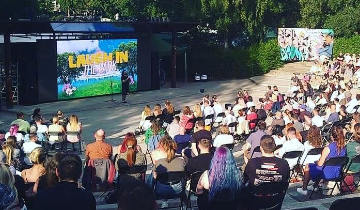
<point>94,67</point>
<point>300,44</point>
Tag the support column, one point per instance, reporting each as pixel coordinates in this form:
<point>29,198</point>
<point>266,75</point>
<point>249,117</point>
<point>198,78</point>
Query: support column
<point>7,66</point>
<point>173,60</point>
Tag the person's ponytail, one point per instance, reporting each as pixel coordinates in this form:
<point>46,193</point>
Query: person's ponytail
<point>130,157</point>
<point>131,151</point>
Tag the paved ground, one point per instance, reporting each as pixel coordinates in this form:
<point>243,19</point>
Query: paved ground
<point>117,118</point>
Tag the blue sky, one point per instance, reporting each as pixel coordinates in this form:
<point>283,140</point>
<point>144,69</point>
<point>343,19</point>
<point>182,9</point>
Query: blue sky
<point>90,46</point>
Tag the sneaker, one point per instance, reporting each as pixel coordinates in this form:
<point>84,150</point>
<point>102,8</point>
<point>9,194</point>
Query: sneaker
<point>124,102</point>
<point>164,205</point>
<point>301,191</point>
<point>312,187</point>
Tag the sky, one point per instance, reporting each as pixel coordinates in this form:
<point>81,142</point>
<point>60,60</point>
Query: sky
<point>90,46</point>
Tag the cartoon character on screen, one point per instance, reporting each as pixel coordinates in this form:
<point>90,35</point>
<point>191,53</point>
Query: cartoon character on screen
<point>69,89</point>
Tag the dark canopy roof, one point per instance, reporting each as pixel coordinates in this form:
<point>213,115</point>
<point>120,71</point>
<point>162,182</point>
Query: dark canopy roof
<point>38,27</point>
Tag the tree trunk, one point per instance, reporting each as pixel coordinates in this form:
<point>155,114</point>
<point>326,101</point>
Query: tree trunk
<point>226,39</point>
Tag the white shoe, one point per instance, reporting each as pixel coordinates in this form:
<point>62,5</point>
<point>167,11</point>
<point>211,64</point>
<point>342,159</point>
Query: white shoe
<point>301,191</point>
<point>164,205</point>
<point>312,187</point>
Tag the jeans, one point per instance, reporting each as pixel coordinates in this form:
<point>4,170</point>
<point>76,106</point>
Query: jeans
<point>164,190</point>
<point>276,107</point>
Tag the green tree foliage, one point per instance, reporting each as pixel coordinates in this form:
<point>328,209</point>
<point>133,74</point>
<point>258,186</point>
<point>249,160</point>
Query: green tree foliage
<point>347,45</point>
<point>131,65</point>
<point>224,15</point>
<point>260,15</point>
<point>345,22</point>
<point>66,74</point>
<point>341,15</point>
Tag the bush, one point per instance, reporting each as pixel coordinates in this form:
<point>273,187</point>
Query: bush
<point>221,63</point>
<point>347,45</point>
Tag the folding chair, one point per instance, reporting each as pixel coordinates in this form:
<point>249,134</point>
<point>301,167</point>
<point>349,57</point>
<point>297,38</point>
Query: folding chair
<point>136,169</point>
<point>354,160</point>
<point>194,179</point>
<point>220,117</point>
<point>293,155</point>
<point>227,106</point>
<point>232,127</point>
<point>269,195</point>
<point>340,162</point>
<point>170,178</point>
<point>209,119</point>
<point>229,146</point>
<point>177,112</point>
<point>325,133</point>
<point>256,149</point>
<point>312,152</point>
<point>73,133</point>
<point>346,203</point>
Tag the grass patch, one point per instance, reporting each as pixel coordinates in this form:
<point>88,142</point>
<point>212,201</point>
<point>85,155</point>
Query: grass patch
<point>96,89</point>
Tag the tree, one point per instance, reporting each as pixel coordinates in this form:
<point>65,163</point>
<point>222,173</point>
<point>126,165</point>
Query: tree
<point>222,15</point>
<point>65,74</point>
<point>345,22</point>
<point>72,7</point>
<point>131,65</point>
<point>260,15</point>
<point>313,13</point>
<point>45,7</point>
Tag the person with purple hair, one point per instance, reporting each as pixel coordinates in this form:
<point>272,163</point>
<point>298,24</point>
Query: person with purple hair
<point>14,131</point>
<point>221,185</point>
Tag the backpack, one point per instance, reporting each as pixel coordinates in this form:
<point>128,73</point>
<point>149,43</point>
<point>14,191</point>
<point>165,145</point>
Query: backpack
<point>280,98</point>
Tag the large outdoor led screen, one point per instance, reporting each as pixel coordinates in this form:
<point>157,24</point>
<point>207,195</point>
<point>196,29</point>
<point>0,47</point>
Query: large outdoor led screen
<point>94,67</point>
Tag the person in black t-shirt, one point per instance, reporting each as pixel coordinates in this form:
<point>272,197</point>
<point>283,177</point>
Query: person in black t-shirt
<point>201,133</point>
<point>267,168</point>
<point>202,161</point>
<point>125,81</point>
<point>66,194</point>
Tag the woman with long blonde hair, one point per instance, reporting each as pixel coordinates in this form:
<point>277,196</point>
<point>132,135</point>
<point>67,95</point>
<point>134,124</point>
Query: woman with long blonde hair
<point>197,111</point>
<point>8,189</point>
<point>37,158</point>
<point>145,124</point>
<point>73,131</point>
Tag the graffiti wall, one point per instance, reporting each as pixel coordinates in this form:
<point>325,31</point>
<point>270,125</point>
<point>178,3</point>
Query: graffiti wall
<point>301,44</point>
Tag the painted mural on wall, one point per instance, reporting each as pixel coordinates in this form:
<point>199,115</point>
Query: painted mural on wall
<point>302,44</point>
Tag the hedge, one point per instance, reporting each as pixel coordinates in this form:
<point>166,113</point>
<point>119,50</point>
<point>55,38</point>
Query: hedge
<point>220,63</point>
<point>347,45</point>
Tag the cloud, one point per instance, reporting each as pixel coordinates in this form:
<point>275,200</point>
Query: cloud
<point>77,46</point>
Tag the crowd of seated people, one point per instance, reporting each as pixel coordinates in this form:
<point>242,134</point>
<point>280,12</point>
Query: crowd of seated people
<point>319,111</point>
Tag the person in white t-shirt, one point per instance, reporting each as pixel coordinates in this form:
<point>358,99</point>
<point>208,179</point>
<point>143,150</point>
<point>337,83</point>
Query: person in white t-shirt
<point>40,127</point>
<point>29,146</point>
<point>217,107</point>
<point>224,137</point>
<point>292,144</point>
<point>229,118</point>
<point>352,104</point>
<point>278,136</point>
<point>317,120</point>
<point>310,103</point>
<point>314,140</point>
<point>207,109</point>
